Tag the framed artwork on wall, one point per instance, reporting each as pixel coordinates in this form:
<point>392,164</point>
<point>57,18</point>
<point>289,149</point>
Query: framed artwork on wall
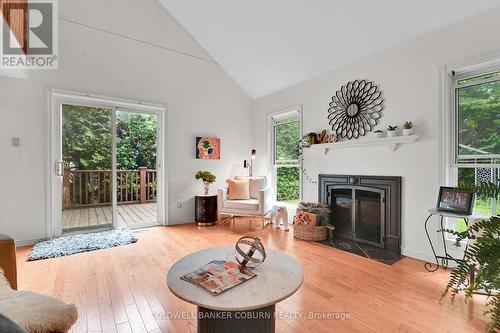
<point>454,201</point>
<point>207,148</point>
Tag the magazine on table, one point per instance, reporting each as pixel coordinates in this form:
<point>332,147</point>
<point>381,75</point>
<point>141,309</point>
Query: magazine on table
<point>219,275</point>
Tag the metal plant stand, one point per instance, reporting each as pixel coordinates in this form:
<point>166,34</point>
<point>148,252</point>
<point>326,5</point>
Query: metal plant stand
<point>446,257</point>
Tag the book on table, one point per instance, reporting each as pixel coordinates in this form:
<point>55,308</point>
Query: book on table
<point>219,275</point>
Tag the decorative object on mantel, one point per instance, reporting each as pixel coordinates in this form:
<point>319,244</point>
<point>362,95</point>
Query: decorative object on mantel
<point>207,177</point>
<point>379,133</point>
<point>250,251</point>
<point>325,137</point>
<point>408,128</point>
<point>311,221</point>
<point>391,131</point>
<point>355,109</point>
<point>311,138</point>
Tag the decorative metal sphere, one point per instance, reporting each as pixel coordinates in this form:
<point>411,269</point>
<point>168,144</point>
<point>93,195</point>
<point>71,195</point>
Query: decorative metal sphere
<point>250,251</point>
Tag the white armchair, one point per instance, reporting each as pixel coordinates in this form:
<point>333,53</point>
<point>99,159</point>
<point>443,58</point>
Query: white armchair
<point>259,206</point>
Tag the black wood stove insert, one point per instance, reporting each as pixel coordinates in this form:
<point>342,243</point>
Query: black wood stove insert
<point>366,213</point>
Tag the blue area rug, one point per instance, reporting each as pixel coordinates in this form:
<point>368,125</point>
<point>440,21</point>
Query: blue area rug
<point>64,246</point>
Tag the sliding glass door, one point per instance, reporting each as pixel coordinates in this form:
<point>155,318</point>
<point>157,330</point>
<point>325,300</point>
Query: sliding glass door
<point>136,164</point>
<point>87,159</point>
<point>107,166</point>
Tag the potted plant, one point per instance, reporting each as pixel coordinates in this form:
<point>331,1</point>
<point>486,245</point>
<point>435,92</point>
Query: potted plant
<point>391,131</point>
<point>207,177</point>
<point>408,128</point>
<point>312,138</point>
<point>481,259</point>
<point>379,133</point>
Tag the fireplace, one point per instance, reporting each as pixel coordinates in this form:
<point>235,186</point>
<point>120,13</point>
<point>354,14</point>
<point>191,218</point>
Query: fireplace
<point>365,209</point>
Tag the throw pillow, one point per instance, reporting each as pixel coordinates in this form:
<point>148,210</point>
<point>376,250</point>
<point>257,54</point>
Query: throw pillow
<point>238,189</point>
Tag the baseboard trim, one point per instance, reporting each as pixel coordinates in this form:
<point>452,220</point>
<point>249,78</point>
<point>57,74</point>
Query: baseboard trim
<point>188,220</point>
<point>417,255</point>
<point>28,242</point>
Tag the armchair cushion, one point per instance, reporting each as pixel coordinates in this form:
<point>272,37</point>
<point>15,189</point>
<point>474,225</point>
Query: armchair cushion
<point>257,184</point>
<point>251,204</point>
<point>238,189</point>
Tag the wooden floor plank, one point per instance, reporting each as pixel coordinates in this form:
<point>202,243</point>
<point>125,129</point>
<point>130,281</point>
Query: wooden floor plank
<point>123,289</point>
<point>135,319</point>
<point>124,328</point>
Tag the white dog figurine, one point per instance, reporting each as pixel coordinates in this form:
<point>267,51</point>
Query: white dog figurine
<point>281,214</point>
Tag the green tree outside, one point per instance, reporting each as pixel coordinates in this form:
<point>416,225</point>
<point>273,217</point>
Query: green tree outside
<point>87,140</point>
<point>287,137</point>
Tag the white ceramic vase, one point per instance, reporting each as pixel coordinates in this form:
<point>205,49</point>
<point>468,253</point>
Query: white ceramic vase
<point>407,131</point>
<point>391,134</point>
<point>206,187</point>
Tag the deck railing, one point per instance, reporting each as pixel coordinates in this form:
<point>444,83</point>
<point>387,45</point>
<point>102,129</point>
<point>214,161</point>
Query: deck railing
<point>94,187</point>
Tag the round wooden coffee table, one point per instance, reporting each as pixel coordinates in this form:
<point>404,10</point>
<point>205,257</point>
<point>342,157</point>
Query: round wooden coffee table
<point>248,307</point>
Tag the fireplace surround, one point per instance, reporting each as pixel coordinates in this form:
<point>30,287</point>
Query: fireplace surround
<point>365,209</point>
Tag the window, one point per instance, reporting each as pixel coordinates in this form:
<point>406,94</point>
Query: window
<point>477,132</point>
<point>286,162</point>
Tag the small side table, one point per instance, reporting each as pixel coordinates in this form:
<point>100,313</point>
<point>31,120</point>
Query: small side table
<point>446,256</point>
<point>205,209</point>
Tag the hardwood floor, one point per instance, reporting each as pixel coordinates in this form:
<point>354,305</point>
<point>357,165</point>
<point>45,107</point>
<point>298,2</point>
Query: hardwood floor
<point>128,215</point>
<point>123,289</point>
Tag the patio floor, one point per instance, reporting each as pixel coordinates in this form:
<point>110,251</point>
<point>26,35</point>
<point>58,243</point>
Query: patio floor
<point>128,215</point>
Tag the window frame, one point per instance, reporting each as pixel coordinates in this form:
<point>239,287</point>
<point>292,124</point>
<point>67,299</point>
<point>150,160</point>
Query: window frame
<point>456,77</point>
<point>275,119</point>
<point>458,161</point>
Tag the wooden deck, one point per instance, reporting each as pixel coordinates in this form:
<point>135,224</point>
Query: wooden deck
<point>128,215</point>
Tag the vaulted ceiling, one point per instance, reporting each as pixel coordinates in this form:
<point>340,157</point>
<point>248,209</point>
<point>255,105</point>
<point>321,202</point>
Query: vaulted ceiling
<point>267,45</point>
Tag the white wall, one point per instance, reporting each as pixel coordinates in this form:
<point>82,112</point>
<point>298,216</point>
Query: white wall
<point>408,77</point>
<point>201,98</point>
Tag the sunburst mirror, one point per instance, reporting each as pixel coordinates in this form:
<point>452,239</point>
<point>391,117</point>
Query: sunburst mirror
<point>355,109</point>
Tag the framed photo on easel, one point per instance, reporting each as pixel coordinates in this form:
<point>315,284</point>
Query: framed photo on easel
<point>455,201</point>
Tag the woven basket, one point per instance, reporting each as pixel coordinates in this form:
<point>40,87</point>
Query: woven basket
<point>310,233</point>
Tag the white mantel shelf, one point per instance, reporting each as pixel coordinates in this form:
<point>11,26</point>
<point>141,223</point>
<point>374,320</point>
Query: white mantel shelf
<point>392,143</point>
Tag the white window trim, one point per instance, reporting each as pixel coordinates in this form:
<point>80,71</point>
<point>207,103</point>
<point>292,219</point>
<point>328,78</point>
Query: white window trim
<point>270,134</point>
<point>447,120</point>
<point>447,175</point>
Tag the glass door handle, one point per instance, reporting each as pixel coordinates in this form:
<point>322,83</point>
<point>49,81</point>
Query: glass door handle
<point>59,168</point>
